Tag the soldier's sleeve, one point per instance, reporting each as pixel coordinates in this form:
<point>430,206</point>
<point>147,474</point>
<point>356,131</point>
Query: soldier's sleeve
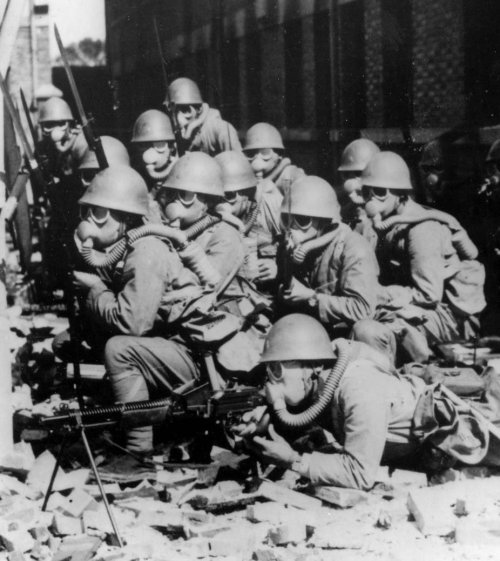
<point>132,310</point>
<point>426,263</point>
<point>355,297</point>
<point>365,408</point>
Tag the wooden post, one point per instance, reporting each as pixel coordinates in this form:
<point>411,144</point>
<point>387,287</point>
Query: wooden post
<point>12,12</point>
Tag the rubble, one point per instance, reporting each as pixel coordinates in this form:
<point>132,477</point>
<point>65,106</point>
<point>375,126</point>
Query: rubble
<point>187,513</point>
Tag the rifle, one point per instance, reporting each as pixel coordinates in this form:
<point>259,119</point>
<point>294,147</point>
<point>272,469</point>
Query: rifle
<point>287,270</point>
<point>169,105</point>
<point>30,159</point>
<point>93,141</point>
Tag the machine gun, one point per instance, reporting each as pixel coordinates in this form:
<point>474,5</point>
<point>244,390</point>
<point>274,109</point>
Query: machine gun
<point>199,405</point>
<point>93,141</point>
<point>169,106</point>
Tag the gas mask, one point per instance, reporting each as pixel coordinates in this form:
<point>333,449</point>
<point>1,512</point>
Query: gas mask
<point>156,158</point>
<point>352,187</point>
<point>301,228</point>
<point>240,201</point>
<point>263,161</point>
<point>186,114</point>
<point>291,381</point>
<point>99,227</point>
<point>60,133</point>
<point>87,175</point>
<point>185,209</point>
<point>379,200</point>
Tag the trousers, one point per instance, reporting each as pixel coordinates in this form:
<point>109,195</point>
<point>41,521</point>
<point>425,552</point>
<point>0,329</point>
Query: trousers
<point>144,368</point>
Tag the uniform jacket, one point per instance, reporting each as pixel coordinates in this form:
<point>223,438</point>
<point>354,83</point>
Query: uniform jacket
<point>136,297</point>
<point>209,133</point>
<point>356,218</point>
<point>370,416</point>
<point>344,276</point>
<point>266,228</point>
<point>422,257</point>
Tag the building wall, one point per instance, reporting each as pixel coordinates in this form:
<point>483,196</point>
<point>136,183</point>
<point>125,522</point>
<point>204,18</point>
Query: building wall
<point>331,108</point>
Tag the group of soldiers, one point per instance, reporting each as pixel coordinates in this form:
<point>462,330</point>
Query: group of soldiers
<point>196,241</point>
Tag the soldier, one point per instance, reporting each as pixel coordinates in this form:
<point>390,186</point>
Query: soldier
<point>258,206</point>
<point>332,271</point>
<point>369,411</point>
<point>265,151</point>
<point>355,158</point>
<point>153,141</point>
<point>202,127</point>
<point>137,302</point>
<point>115,152</point>
<point>431,279</point>
<point>64,146</point>
<point>373,414</point>
<point>191,193</point>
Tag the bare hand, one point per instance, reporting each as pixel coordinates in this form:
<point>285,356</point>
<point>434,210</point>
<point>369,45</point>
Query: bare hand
<point>297,293</point>
<point>253,422</point>
<point>268,270</point>
<point>276,451</point>
<point>85,280</point>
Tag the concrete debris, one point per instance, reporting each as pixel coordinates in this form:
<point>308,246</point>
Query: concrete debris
<point>275,492</point>
<point>338,496</point>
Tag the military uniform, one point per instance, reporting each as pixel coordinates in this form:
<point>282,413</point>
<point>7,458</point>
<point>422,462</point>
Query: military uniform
<point>284,174</point>
<point>344,276</point>
<point>209,133</point>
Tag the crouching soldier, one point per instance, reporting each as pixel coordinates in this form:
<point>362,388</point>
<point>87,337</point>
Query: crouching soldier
<point>153,142</point>
<point>202,127</point>
<point>259,211</point>
<point>265,151</point>
<point>373,414</point>
<point>137,303</point>
<point>327,270</point>
<point>433,285</point>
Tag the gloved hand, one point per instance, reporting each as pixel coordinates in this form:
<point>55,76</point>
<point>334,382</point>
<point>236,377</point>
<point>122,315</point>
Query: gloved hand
<point>276,451</point>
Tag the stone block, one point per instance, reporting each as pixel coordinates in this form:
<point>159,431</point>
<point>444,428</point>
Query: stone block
<point>339,496</point>
<point>432,509</point>
<point>284,496</point>
<point>67,525</point>
<point>79,501</point>
<point>290,532</point>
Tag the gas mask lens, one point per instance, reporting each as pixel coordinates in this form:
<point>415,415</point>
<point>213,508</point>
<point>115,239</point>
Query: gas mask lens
<point>97,214</point>
<point>274,371</point>
<point>49,126</point>
<point>187,198</point>
<point>299,222</point>
<point>231,196</point>
<point>379,193</point>
<point>265,154</point>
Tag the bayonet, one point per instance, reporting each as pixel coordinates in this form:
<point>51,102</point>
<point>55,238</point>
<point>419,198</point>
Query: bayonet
<point>93,140</point>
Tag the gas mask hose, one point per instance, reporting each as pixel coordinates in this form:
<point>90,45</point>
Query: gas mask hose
<point>463,245</point>
<point>312,413</point>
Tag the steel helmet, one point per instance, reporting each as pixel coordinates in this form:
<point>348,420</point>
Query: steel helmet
<point>263,135</point>
<point>494,152</point>
<point>297,337</point>
<point>114,150</point>
<point>55,109</point>
<point>184,91</point>
<point>387,170</point>
<point>357,154</point>
<point>237,172</point>
<point>45,91</point>
<point>196,172</point>
<point>312,196</point>
<point>118,188</point>
<point>152,126</point>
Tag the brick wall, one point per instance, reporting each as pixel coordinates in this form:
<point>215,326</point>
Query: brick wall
<point>273,83</point>
<point>438,55</point>
<point>374,64</point>
<point>309,72</point>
